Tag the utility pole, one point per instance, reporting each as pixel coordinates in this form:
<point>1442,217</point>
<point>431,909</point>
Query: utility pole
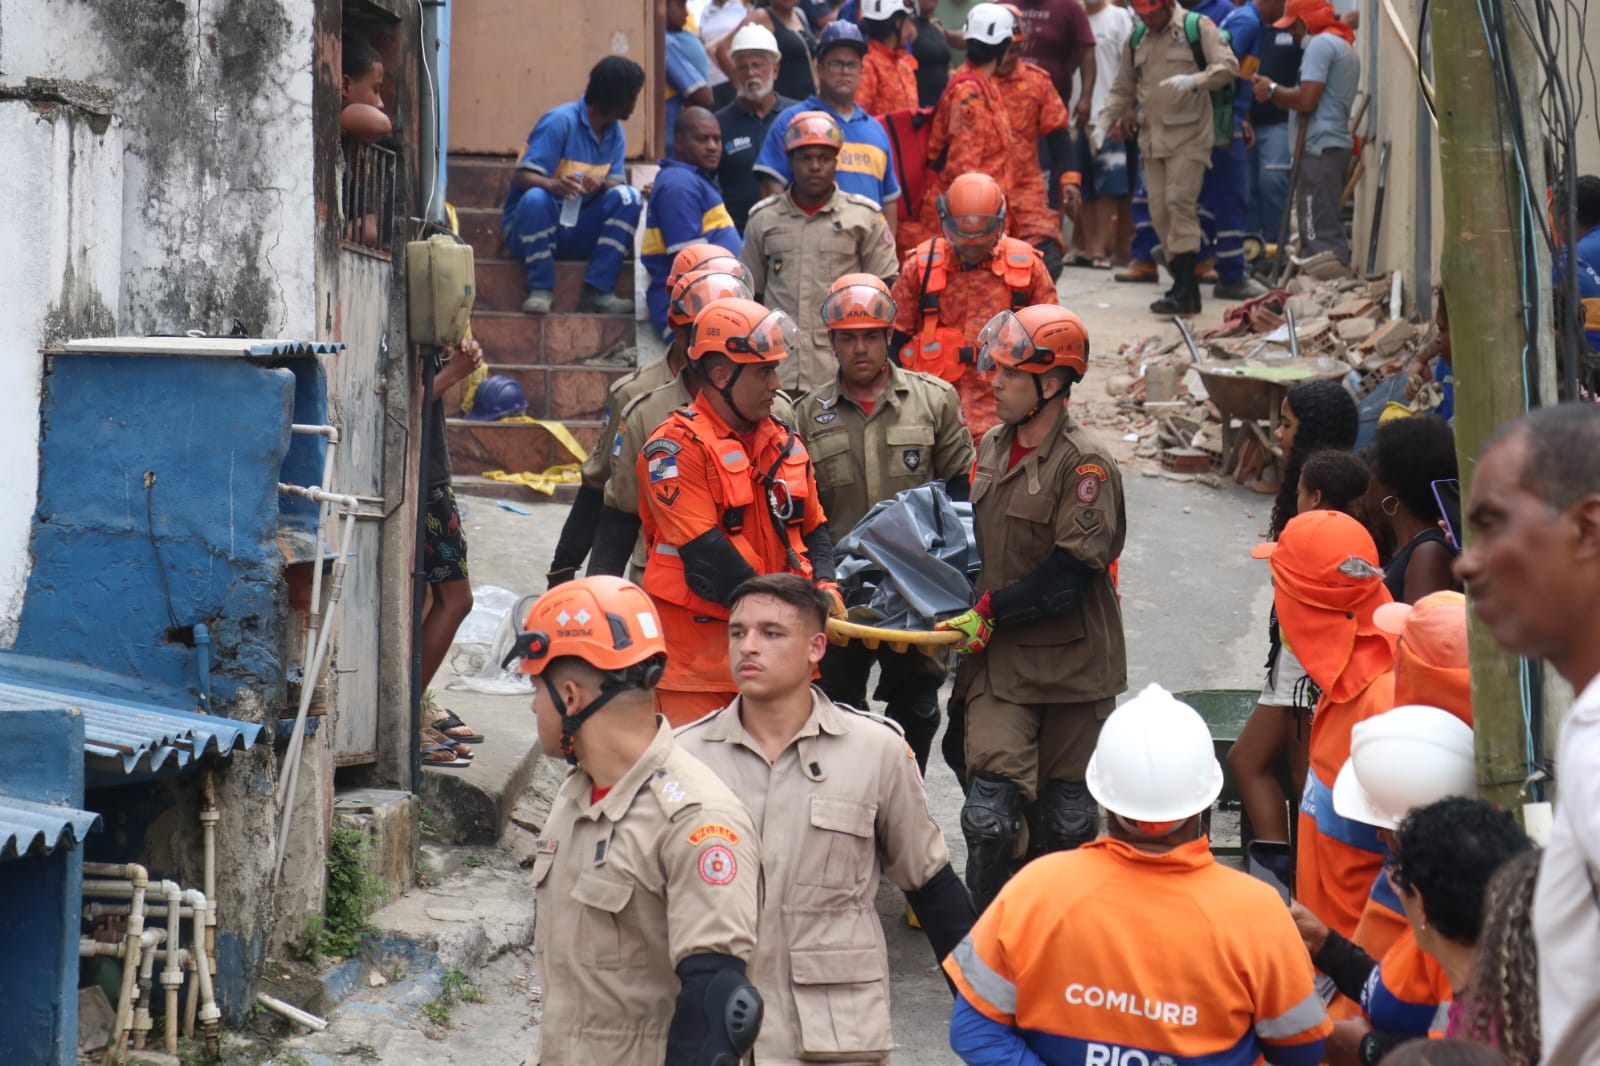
<point>1482,270</point>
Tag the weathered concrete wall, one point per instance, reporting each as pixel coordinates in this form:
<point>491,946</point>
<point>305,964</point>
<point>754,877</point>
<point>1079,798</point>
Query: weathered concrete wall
<point>215,101</point>
<point>60,213</point>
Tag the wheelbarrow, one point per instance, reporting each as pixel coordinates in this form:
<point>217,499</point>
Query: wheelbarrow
<point>1252,393</point>
<point>1225,712</point>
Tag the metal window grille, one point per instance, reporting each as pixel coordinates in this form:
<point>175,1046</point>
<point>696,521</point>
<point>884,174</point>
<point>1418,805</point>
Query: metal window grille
<point>367,199</point>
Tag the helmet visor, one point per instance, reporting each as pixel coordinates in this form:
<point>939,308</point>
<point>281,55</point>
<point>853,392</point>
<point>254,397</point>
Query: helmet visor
<point>1004,341</point>
<point>694,291</point>
<point>528,647</point>
<point>858,307</point>
<point>966,229</point>
<point>772,339</point>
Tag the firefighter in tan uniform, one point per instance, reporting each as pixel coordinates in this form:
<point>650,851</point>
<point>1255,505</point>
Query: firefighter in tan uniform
<point>1044,648</point>
<point>648,872</point>
<point>799,241</point>
<point>1176,133</point>
<point>873,431</point>
<point>838,801</point>
<point>578,534</point>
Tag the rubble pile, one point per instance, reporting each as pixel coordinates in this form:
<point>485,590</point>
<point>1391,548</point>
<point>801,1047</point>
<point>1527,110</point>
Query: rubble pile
<point>1201,407</point>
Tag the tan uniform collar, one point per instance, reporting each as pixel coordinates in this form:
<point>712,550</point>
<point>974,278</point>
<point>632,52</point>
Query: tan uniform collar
<point>580,785</point>
<point>899,386</point>
<point>1040,455</point>
<point>728,727</point>
<point>795,209</point>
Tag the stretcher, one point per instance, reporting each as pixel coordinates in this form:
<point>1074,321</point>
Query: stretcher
<point>929,641</point>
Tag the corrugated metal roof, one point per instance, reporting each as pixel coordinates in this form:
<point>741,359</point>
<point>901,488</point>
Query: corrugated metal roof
<point>29,828</point>
<point>138,737</point>
<point>222,347</point>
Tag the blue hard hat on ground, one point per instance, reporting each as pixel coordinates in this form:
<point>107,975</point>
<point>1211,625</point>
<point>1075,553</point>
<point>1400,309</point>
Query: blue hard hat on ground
<point>497,397</point>
<point>840,32</point>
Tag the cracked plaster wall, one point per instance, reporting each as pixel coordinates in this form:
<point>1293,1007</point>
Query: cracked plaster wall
<point>214,97</point>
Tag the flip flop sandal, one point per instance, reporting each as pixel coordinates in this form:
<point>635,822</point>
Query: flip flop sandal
<point>1078,260</point>
<point>1100,264</point>
<point>450,721</point>
<point>441,756</point>
<point>461,751</point>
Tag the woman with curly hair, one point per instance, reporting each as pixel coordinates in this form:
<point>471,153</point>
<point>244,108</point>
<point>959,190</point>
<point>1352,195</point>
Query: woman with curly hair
<point>1500,1005</point>
<point>1407,456</point>
<point>1314,416</point>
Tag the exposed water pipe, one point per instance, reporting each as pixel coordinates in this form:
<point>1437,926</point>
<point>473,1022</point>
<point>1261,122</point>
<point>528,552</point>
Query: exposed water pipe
<point>290,776</point>
<point>331,435</point>
<point>137,878</point>
<point>209,818</point>
<point>202,649</point>
<point>181,903</point>
<point>299,1017</point>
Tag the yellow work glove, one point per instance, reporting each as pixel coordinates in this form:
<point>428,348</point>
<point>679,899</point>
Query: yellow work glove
<point>977,625</point>
<point>836,608</point>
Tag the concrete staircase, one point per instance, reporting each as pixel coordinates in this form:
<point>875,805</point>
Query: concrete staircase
<point>565,361</point>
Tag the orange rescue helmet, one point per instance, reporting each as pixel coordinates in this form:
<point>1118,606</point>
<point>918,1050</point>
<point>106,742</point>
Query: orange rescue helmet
<point>699,288</point>
<point>745,331</point>
<point>699,256</point>
<point>1035,340</point>
<point>858,301</point>
<point>609,623</point>
<point>813,128</point>
<point>1147,7</point>
<point>972,210</point>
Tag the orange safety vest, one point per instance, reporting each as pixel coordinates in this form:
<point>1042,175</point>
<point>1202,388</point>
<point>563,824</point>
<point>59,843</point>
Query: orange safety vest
<point>778,495</point>
<point>943,351</point>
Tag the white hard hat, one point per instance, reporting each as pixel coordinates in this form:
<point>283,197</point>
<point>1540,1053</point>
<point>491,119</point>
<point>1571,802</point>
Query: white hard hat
<point>754,37</point>
<point>1408,757</point>
<point>1154,761</point>
<point>883,10</point>
<point>990,23</point>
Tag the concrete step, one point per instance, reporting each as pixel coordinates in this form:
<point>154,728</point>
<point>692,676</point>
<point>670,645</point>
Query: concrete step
<point>565,393</point>
<point>482,488</point>
<point>479,181</point>
<point>480,227</point>
<point>502,284</point>
<point>472,804</point>
<point>557,339</point>
<point>514,447</point>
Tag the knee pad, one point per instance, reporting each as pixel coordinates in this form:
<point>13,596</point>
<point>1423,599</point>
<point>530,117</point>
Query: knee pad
<point>1069,816</point>
<point>991,819</point>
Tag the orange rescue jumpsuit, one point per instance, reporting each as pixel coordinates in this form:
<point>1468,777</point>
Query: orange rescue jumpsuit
<point>697,475</point>
<point>888,80</point>
<point>943,317</point>
<point>970,133</point>
<point>1035,110</point>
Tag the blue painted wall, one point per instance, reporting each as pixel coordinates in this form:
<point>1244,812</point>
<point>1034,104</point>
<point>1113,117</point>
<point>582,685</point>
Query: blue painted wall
<point>41,759</point>
<point>214,432</point>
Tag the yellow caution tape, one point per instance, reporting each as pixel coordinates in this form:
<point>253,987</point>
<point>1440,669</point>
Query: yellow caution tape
<point>930,641</point>
<point>556,430</point>
<point>474,379</point>
<point>565,474</point>
<point>562,474</point>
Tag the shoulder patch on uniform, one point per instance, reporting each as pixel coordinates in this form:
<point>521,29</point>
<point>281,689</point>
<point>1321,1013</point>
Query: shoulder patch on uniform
<point>717,865</point>
<point>1088,489</point>
<point>710,830</point>
<point>616,444</point>
<point>545,846</point>
<point>864,201</point>
<point>1088,521</point>
<point>662,446</point>
<point>1095,469</point>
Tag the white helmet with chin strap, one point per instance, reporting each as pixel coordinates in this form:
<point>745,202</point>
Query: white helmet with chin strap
<point>1154,766</point>
<point>990,24</point>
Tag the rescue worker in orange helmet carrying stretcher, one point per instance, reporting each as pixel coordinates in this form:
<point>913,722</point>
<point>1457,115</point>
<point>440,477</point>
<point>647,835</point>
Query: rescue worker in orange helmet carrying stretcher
<point>955,282</point>
<point>726,492</point>
<point>1045,652</point>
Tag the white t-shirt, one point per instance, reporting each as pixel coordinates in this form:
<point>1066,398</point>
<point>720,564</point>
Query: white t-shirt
<point>715,21</point>
<point>1112,27</point>
<point>1566,914</point>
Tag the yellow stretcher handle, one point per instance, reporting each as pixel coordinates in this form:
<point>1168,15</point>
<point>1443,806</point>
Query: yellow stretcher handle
<point>928,641</point>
